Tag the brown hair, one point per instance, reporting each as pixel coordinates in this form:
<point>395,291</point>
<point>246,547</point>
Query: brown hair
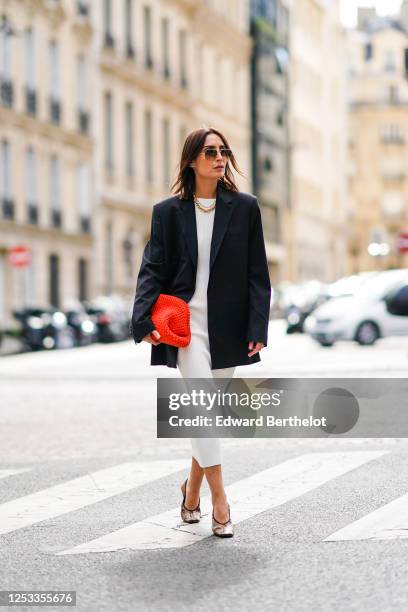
<point>184,185</point>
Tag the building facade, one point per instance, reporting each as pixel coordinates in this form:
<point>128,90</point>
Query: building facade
<point>96,98</point>
<point>164,68</point>
<point>317,220</point>
<point>46,152</point>
<point>270,125</point>
<point>378,178</point>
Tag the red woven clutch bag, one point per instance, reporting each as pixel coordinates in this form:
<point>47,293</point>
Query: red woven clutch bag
<point>171,318</point>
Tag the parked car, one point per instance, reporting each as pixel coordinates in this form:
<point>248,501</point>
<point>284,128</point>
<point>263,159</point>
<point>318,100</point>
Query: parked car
<point>298,301</point>
<point>111,317</point>
<point>362,317</point>
<point>44,328</point>
<point>83,324</point>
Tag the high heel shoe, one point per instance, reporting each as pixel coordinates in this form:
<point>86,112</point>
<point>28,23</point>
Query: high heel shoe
<point>223,530</point>
<point>187,515</point>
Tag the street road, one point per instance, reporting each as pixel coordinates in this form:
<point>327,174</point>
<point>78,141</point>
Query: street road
<point>89,498</point>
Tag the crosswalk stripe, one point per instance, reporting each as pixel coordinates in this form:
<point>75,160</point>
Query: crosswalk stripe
<point>390,522</point>
<point>82,491</point>
<point>247,498</point>
<point>7,473</point>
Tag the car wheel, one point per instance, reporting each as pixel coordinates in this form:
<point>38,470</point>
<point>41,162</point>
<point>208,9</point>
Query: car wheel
<point>325,343</point>
<point>367,333</point>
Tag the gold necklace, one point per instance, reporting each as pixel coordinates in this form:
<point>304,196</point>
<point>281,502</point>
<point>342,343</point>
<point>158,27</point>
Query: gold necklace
<point>201,207</point>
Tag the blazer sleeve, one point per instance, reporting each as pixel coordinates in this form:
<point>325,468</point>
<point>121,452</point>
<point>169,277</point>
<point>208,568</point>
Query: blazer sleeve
<point>150,281</point>
<point>259,285</point>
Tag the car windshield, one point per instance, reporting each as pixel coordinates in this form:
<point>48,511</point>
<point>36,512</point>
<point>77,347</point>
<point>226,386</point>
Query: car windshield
<point>380,285</point>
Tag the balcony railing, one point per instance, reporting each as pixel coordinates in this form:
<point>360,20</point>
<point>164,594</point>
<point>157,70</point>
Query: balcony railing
<point>31,101</point>
<point>83,122</point>
<point>109,41</point>
<point>130,51</point>
<point>8,208</point>
<point>85,224</point>
<point>82,8</point>
<point>32,210</point>
<point>6,92</point>
<point>56,218</point>
<point>55,111</point>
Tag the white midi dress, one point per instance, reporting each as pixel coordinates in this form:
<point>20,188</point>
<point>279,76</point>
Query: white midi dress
<point>194,361</point>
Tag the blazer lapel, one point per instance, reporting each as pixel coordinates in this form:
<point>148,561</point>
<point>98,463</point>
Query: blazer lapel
<point>222,215</point>
<point>223,211</point>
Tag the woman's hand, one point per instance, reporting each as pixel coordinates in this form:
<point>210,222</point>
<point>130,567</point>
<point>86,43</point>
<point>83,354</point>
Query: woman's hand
<point>152,338</point>
<point>254,347</point>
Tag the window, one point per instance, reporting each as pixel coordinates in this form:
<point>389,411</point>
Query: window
<point>183,57</point>
<point>393,204</point>
<point>6,86</point>
<point>84,200</point>
<point>392,134</point>
<point>55,191</point>
<point>82,95</point>
<point>5,170</point>
<point>368,51</point>
<point>54,85</point>
<point>149,146</point>
<point>129,139</point>
<point>5,51</point>
<point>165,47</point>
<point>390,61</point>
<point>31,185</point>
<point>107,23</point>
<point>54,89</point>
<point>147,27</point>
<point>29,59</point>
<point>129,28</point>
<point>166,152</point>
<point>108,132</point>
<point>393,94</point>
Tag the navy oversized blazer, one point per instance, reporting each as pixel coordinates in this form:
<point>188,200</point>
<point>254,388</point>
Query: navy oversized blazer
<point>239,287</point>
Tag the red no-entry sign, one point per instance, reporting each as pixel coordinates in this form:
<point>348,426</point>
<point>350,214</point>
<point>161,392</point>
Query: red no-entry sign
<point>19,256</point>
<point>403,242</point>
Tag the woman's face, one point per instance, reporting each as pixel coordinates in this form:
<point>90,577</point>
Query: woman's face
<point>213,167</point>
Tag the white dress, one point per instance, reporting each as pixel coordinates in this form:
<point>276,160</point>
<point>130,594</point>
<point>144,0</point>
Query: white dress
<point>194,361</point>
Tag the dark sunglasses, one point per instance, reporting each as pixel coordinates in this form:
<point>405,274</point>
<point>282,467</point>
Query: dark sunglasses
<point>211,153</point>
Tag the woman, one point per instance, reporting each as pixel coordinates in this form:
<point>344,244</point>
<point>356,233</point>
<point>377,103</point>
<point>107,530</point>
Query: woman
<point>206,247</point>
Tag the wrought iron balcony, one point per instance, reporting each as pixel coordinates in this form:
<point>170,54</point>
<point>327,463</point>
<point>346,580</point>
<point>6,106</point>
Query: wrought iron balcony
<point>55,111</point>
<point>8,208</point>
<point>31,101</point>
<point>32,210</point>
<point>83,122</point>
<point>6,92</point>
<point>85,224</point>
<point>56,218</point>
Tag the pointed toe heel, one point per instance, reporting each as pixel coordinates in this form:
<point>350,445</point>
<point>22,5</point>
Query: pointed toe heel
<point>187,515</point>
<point>223,530</point>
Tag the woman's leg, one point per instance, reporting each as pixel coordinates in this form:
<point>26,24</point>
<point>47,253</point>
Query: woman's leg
<point>194,361</point>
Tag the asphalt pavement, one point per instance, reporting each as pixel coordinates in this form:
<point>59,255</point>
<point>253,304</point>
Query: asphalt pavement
<point>89,497</point>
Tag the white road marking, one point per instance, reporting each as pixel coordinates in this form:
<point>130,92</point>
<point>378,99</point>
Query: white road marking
<point>390,522</point>
<point>82,491</point>
<point>7,473</point>
<point>247,498</point>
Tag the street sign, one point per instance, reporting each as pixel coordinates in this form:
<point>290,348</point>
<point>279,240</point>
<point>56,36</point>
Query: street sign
<point>403,242</point>
<point>19,256</point>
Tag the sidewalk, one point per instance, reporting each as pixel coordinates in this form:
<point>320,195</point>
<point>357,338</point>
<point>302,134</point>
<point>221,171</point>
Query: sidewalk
<point>10,346</point>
